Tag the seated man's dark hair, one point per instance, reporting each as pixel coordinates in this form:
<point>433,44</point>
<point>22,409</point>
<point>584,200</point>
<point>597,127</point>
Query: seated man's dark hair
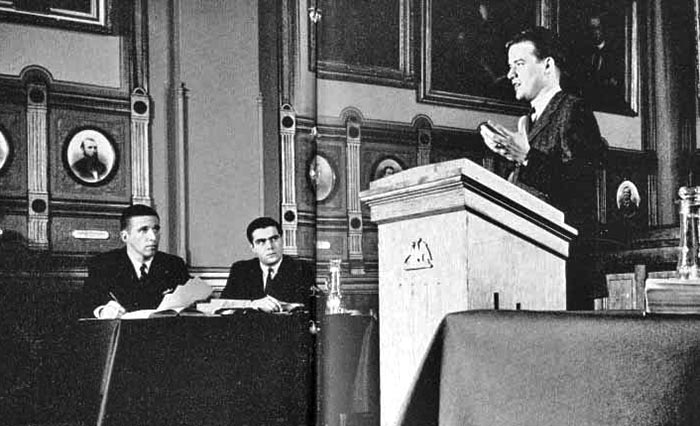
<point>261,223</point>
<point>547,44</point>
<point>135,210</point>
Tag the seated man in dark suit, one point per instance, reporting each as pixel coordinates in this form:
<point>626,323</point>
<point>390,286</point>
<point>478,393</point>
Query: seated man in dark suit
<point>270,278</point>
<point>137,275</point>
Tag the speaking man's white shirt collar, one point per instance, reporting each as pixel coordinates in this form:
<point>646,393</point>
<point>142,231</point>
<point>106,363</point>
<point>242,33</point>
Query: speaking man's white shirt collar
<point>541,101</point>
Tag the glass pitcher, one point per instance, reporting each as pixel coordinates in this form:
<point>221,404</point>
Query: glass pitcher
<point>334,302</point>
<point>689,229</point>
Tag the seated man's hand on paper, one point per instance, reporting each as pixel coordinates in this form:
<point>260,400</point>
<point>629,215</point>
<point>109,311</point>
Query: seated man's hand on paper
<point>266,304</point>
<point>112,310</point>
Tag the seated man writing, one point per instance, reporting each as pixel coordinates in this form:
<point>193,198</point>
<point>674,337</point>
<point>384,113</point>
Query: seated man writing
<point>136,276</point>
<point>270,279</point>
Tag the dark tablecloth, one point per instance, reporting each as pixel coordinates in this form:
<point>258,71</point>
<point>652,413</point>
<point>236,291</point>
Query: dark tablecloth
<point>559,368</point>
<point>247,369</point>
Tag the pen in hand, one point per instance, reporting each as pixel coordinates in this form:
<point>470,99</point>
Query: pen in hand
<point>113,297</point>
<point>112,310</point>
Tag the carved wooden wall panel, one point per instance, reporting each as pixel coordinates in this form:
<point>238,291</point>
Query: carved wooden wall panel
<point>13,222</point>
<point>623,224</point>
<point>332,147</point>
<point>43,200</point>
<point>369,244</point>
<point>305,151</point>
<point>64,123</point>
<point>333,244</point>
<point>78,233</point>
<point>306,238</point>
<point>13,176</point>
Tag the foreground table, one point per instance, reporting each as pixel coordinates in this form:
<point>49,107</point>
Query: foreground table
<point>559,368</point>
<point>247,369</point>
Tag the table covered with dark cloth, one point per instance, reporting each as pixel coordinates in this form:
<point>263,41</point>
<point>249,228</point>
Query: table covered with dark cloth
<point>250,368</point>
<point>559,368</point>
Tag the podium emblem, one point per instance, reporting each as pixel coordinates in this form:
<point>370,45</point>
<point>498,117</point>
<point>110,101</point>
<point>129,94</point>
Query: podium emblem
<point>419,256</point>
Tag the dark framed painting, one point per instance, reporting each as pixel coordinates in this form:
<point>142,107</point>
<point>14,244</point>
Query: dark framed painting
<point>366,41</point>
<point>90,157</point>
<point>81,15</point>
<point>603,36</point>
<point>463,55</point>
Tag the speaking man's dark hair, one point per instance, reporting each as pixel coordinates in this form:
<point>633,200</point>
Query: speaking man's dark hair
<point>261,223</point>
<point>547,44</point>
<point>135,210</point>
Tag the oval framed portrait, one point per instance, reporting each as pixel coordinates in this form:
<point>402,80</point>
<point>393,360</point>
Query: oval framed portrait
<point>628,199</point>
<point>90,156</point>
<point>5,151</point>
<point>386,167</point>
<point>322,176</point>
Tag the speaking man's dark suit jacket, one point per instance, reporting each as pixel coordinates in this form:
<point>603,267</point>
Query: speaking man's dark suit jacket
<point>113,272</point>
<point>566,152</point>
<point>292,283</point>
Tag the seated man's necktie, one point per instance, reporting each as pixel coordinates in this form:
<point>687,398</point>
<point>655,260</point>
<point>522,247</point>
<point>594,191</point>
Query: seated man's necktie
<point>269,278</point>
<point>144,272</point>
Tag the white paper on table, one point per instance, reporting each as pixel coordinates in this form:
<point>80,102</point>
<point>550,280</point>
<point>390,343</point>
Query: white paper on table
<point>185,295</point>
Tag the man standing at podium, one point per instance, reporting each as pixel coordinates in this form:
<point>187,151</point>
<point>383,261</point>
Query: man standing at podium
<point>270,278</point>
<point>137,275</point>
<point>555,152</point>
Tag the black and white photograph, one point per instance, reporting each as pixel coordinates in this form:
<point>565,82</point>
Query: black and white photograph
<point>350,212</point>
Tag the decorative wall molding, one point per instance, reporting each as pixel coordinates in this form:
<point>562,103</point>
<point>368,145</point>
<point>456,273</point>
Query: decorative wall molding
<point>181,172</point>
<point>37,166</point>
<point>601,195</point>
<point>424,139</point>
<point>260,104</point>
<point>288,54</point>
<point>652,200</point>
<point>289,203</point>
<point>140,52</point>
<point>140,152</point>
<point>353,125</point>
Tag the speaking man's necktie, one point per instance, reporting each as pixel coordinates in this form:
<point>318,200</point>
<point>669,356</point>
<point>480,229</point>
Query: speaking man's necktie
<point>533,117</point>
<point>513,176</point>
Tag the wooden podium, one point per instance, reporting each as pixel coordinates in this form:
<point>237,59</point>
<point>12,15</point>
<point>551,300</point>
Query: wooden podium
<point>454,236</point>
